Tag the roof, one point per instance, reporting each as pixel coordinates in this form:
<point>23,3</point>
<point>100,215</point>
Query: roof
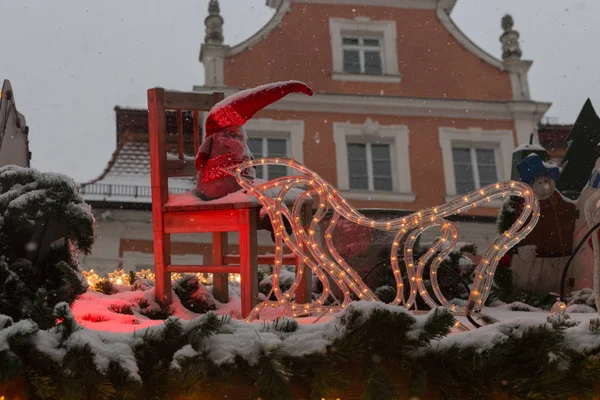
<point>553,136</point>
<point>126,178</point>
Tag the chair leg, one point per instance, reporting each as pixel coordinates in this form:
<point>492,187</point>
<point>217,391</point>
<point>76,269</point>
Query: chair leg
<point>248,261</point>
<point>304,292</point>
<point>220,281</point>
<point>162,259</point>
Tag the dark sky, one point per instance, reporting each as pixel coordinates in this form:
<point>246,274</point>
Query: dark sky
<point>71,61</point>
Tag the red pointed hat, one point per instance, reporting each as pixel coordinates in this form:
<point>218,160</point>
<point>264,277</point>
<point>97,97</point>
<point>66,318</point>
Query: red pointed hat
<point>238,108</point>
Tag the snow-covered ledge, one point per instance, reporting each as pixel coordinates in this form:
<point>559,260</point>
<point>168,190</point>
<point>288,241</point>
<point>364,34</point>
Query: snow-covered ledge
<point>341,76</point>
<point>379,196</point>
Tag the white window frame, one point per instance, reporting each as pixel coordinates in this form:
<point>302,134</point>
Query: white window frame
<point>264,137</point>
<point>131,259</point>
<point>370,131</point>
<point>361,27</point>
<point>369,161</point>
<point>292,130</point>
<point>361,48</point>
<point>502,141</point>
<point>474,164</point>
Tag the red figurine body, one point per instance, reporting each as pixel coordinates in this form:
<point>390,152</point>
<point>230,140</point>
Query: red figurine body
<point>225,144</point>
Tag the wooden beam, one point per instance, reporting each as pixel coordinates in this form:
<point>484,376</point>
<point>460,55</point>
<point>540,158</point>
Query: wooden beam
<point>201,101</point>
<point>160,191</point>
<point>201,221</point>
<point>180,133</point>
<point>220,281</point>
<point>206,269</point>
<point>288,259</point>
<point>248,261</point>
<point>196,131</point>
<point>304,291</point>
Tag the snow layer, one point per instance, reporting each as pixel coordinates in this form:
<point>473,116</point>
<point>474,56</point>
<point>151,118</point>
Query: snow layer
<point>488,336</point>
<point>93,310</point>
<point>241,196</point>
<point>118,351</point>
<point>527,146</point>
<point>249,340</point>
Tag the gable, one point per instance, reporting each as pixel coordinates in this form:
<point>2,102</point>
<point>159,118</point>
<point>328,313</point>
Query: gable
<point>431,61</point>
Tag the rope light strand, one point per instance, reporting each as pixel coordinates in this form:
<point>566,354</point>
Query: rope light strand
<point>327,264</point>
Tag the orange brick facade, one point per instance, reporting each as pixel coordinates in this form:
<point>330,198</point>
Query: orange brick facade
<point>432,62</point>
<point>426,169</point>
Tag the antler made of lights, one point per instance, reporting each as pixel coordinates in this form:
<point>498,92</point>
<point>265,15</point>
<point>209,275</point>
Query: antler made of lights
<point>328,262</point>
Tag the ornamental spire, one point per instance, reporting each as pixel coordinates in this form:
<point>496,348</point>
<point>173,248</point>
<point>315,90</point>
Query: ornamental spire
<point>214,24</point>
<point>511,50</point>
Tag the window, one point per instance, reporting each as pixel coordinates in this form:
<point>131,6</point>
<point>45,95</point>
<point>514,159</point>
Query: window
<point>269,147</point>
<point>473,168</point>
<point>372,161</point>
<point>474,157</point>
<point>362,55</point>
<point>370,167</point>
<point>364,50</point>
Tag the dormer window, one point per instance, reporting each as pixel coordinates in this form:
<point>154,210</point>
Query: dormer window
<point>362,55</point>
<point>364,50</point>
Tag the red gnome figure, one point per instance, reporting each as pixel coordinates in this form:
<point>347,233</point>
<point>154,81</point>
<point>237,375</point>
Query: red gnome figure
<point>225,144</point>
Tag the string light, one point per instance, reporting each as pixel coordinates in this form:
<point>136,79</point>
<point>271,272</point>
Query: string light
<point>92,278</point>
<point>120,277</point>
<point>303,243</point>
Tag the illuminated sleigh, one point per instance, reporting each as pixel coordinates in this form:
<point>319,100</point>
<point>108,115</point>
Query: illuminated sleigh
<point>327,263</point>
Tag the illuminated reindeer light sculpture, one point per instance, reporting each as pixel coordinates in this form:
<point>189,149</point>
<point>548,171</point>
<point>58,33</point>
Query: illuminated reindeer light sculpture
<point>327,263</point>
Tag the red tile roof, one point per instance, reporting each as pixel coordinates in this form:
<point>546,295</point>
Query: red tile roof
<point>126,177</point>
<point>553,136</point>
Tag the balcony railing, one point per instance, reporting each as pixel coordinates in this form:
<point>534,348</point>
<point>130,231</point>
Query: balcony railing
<point>110,190</point>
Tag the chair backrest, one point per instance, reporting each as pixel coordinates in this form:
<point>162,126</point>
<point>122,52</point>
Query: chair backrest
<point>184,107</point>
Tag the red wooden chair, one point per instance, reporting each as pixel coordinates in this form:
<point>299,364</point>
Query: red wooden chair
<point>170,215</point>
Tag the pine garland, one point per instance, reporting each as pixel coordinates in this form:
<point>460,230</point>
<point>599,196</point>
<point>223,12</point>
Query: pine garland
<point>383,351</point>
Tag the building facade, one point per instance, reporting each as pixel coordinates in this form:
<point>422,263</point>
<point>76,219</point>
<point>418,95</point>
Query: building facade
<point>408,112</point>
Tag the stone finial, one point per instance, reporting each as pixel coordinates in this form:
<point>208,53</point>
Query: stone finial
<point>214,24</point>
<point>507,22</point>
<point>511,50</point>
<point>213,7</point>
